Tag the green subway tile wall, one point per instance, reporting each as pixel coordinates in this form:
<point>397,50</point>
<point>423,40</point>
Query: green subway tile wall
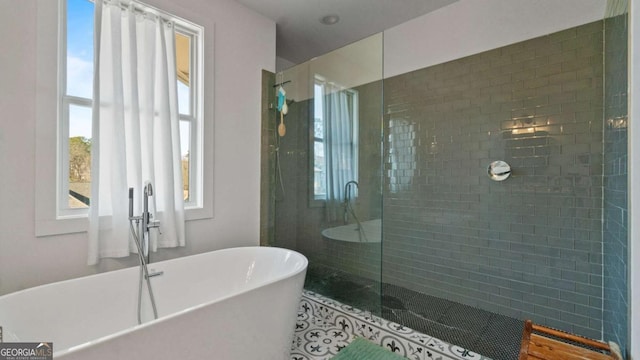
<point>615,237</point>
<point>528,247</point>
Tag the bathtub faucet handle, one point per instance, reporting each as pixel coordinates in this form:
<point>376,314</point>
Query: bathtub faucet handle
<point>153,224</point>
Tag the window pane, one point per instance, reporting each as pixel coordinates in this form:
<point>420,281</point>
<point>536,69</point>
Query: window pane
<point>79,156</point>
<point>319,171</point>
<point>183,99</point>
<point>318,109</point>
<point>80,48</point>
<point>318,128</point>
<point>185,145</point>
<point>183,72</point>
<point>319,165</point>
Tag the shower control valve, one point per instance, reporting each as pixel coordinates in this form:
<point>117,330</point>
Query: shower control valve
<point>154,224</point>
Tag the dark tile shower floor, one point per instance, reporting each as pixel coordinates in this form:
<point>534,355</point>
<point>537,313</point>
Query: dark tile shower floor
<point>492,335</point>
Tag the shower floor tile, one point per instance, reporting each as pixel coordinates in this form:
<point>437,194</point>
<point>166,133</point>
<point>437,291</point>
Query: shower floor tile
<point>325,326</point>
<point>493,335</point>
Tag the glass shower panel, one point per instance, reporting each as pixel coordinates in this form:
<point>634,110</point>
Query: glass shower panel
<point>328,198</point>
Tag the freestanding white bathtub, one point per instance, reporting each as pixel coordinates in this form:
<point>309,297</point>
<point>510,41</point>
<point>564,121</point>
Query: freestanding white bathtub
<point>234,304</point>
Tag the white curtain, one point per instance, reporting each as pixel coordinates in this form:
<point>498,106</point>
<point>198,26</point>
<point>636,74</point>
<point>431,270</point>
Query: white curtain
<point>341,147</point>
<point>135,130</point>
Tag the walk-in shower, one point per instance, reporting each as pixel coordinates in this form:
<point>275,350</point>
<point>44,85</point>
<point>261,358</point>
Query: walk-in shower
<point>462,257</point>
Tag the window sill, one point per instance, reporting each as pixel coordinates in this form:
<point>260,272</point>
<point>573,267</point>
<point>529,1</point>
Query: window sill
<point>79,224</point>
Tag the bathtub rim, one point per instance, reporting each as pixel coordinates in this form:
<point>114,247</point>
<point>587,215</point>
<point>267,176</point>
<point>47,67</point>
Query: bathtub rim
<point>297,271</point>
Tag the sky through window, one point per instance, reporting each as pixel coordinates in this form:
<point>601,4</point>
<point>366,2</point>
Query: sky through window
<point>80,23</point>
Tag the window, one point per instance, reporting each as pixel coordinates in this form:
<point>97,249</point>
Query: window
<point>189,101</point>
<point>76,103</point>
<point>319,165</point>
<point>74,126</point>
<point>335,140</point>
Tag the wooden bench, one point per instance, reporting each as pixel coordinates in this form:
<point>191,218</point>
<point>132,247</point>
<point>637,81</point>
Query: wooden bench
<point>543,343</point>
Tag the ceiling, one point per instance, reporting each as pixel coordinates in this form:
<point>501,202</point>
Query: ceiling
<point>301,36</point>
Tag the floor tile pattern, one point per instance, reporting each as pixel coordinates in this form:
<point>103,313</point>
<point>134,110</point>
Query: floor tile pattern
<point>324,326</point>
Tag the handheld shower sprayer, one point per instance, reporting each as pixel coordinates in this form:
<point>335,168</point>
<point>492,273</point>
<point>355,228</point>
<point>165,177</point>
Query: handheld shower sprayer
<point>130,203</point>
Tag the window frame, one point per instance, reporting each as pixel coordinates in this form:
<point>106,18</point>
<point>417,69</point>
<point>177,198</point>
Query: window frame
<point>195,116</point>
<point>52,104</point>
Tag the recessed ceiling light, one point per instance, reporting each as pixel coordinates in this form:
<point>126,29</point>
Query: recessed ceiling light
<point>330,19</point>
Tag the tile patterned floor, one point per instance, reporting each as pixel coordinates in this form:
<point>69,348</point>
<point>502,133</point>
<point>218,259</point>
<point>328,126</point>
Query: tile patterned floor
<point>325,326</point>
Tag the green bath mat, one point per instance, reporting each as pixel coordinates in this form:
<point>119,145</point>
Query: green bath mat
<point>361,349</point>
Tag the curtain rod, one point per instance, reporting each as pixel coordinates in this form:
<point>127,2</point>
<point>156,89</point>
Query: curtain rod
<point>282,83</point>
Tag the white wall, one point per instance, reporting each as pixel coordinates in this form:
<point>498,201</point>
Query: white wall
<point>349,66</point>
<point>283,64</point>
<point>242,44</point>
<point>469,27</point>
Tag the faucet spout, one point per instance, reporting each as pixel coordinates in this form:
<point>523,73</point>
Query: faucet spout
<point>146,216</point>
<point>147,222</point>
<point>347,190</point>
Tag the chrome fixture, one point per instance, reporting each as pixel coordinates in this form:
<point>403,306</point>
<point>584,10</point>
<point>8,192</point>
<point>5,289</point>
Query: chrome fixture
<point>433,147</point>
<point>347,199</point>
<point>147,223</point>
<point>330,19</point>
<point>347,189</point>
<point>499,170</point>
<point>143,225</point>
<point>348,209</point>
<point>155,273</point>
